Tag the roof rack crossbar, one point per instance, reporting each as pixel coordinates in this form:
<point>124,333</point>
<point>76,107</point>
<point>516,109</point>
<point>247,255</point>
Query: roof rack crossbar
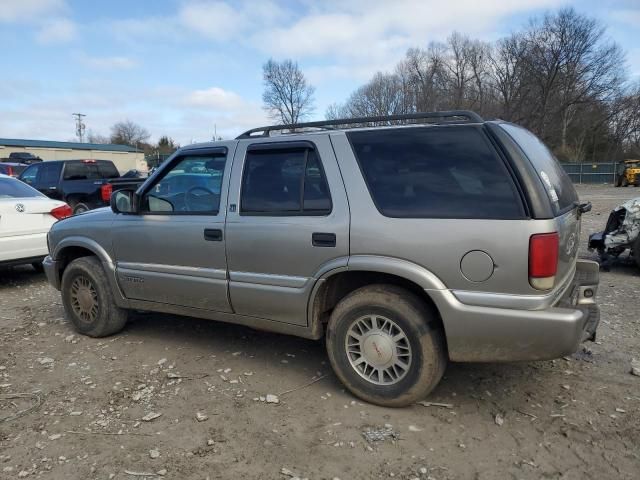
<point>468,115</point>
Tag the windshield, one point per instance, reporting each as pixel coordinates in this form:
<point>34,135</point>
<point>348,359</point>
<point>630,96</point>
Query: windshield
<point>16,189</point>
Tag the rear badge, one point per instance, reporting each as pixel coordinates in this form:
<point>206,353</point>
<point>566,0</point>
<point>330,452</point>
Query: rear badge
<point>20,207</point>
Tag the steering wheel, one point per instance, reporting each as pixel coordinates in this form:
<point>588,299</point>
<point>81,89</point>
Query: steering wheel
<point>190,198</point>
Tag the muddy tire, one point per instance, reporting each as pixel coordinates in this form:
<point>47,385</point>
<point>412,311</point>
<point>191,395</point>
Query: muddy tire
<point>636,251</point>
<point>88,300</point>
<point>386,345</point>
<point>624,182</point>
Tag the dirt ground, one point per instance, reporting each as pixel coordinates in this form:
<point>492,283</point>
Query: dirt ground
<point>572,418</point>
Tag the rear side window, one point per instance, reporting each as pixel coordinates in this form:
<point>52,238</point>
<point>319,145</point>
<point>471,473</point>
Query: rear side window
<point>559,187</point>
<point>89,171</point>
<point>16,189</point>
<point>435,172</point>
<point>284,182</point>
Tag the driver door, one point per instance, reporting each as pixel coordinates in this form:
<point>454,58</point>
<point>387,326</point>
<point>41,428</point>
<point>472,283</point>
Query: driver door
<point>173,250</point>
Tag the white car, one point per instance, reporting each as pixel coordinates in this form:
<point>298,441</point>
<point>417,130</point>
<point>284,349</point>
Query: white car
<point>26,216</point>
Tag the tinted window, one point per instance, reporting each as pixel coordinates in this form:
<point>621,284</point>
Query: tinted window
<point>435,172</point>
<point>81,170</point>
<point>192,185</point>
<point>16,189</point>
<point>108,170</point>
<point>284,182</point>
<point>557,183</point>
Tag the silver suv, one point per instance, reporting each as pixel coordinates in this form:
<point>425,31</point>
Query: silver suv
<point>404,245</point>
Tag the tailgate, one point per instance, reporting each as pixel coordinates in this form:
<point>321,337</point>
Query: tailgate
<point>568,228</point>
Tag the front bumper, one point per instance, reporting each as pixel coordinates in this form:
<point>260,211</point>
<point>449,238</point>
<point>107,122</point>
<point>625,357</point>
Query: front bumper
<point>52,271</point>
<point>491,334</point>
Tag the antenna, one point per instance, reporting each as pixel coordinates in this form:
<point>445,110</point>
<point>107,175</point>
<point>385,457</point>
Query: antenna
<point>80,126</point>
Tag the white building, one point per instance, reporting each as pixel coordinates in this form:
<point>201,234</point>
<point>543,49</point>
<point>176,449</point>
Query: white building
<point>124,157</point>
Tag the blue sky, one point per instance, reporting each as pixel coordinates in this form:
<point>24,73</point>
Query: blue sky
<point>179,67</point>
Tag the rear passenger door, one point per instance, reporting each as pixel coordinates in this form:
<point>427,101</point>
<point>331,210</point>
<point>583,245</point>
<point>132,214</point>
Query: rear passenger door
<point>288,222</point>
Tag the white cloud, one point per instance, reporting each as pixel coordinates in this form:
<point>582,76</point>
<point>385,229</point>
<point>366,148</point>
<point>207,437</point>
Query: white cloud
<point>109,63</point>
<point>185,115</point>
<point>215,98</point>
<point>215,20</point>
<point>378,29</point>
<point>58,30</point>
<point>28,10</point>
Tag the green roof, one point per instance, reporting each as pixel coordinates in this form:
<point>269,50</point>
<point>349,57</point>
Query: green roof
<point>107,147</point>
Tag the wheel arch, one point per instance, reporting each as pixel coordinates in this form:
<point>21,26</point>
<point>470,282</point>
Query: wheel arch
<point>336,284</point>
<point>75,247</point>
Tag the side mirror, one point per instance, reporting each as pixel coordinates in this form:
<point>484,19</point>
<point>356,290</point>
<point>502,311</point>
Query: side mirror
<point>123,201</point>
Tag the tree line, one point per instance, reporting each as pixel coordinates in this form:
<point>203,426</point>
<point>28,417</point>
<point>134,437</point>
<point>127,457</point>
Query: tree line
<point>129,133</point>
<point>560,76</point>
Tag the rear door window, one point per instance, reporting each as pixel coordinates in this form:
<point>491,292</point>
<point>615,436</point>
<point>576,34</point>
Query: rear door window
<point>436,172</point>
<point>557,183</point>
<point>282,182</point>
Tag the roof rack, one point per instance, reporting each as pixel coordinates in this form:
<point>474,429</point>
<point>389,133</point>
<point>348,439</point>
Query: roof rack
<point>454,116</point>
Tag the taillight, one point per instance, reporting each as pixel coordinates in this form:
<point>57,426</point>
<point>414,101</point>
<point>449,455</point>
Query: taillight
<point>543,260</point>
<point>105,191</point>
<point>61,212</point>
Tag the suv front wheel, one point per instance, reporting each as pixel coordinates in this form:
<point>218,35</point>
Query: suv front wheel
<point>385,345</point>
<point>88,300</point>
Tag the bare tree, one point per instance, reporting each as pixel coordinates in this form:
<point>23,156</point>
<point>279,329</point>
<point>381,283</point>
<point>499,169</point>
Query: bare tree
<point>508,74</point>
<point>129,133</point>
<point>287,97</point>
<point>93,137</point>
<point>559,76</point>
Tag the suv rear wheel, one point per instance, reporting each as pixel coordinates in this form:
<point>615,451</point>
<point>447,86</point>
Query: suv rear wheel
<point>385,345</point>
<point>88,301</point>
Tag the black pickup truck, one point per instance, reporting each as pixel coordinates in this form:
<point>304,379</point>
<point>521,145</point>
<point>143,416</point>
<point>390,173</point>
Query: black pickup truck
<point>21,157</point>
<point>82,184</point>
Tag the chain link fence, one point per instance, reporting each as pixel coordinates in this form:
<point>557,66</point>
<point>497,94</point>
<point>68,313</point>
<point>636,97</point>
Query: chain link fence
<point>600,173</point>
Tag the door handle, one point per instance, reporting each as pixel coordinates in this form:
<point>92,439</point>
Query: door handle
<point>319,239</point>
<point>213,234</point>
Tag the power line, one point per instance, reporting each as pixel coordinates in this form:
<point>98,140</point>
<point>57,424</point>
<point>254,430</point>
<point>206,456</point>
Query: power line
<point>80,126</point>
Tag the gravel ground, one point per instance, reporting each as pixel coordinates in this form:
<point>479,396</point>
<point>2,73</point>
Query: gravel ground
<point>90,403</point>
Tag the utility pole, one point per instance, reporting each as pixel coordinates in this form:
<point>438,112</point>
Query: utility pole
<point>80,126</point>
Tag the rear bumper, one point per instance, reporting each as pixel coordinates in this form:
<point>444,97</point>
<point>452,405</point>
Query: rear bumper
<point>490,334</point>
<point>52,271</point>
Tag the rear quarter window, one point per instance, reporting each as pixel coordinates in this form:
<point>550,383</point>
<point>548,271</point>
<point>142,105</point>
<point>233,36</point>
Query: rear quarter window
<point>10,188</point>
<point>557,183</point>
<point>436,172</point>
